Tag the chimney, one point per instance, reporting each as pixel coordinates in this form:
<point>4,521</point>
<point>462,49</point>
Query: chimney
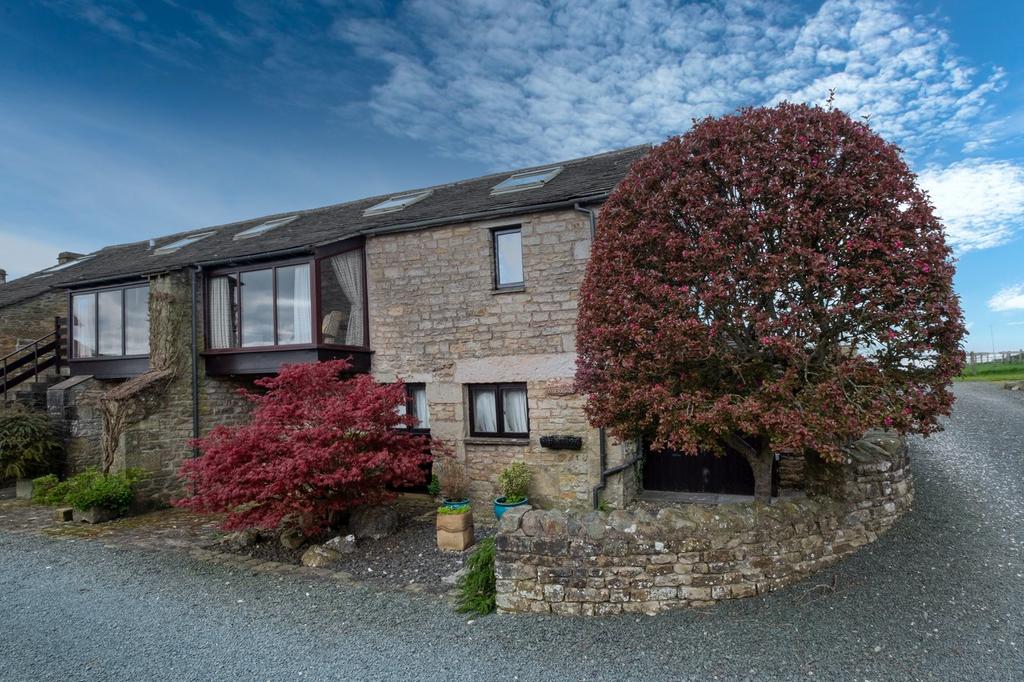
<point>67,256</point>
<point>3,276</point>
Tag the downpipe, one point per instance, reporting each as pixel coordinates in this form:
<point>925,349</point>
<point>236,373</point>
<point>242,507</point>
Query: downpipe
<point>195,359</point>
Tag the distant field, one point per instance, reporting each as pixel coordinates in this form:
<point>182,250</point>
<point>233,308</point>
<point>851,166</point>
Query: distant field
<point>993,371</point>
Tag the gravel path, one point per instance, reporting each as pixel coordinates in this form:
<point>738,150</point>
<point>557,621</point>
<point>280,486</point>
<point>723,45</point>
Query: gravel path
<point>941,596</point>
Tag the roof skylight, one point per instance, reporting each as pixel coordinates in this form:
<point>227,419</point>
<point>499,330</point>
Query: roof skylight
<point>181,243</point>
<point>264,227</point>
<point>55,268</point>
<point>398,202</point>
<point>527,180</point>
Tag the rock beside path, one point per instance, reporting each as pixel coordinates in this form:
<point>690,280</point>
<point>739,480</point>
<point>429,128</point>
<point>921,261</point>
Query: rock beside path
<point>374,523</point>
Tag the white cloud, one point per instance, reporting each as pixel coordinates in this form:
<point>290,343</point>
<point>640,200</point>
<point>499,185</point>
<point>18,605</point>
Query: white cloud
<point>1010,298</point>
<point>980,201</point>
<point>514,83</point>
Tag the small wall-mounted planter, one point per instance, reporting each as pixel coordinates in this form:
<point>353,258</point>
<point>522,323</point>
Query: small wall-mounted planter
<point>455,531</point>
<point>462,503</point>
<point>95,515</point>
<point>561,442</point>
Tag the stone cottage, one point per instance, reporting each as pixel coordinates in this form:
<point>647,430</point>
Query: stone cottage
<point>466,291</point>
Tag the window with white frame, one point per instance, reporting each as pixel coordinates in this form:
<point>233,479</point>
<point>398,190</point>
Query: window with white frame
<point>508,257</point>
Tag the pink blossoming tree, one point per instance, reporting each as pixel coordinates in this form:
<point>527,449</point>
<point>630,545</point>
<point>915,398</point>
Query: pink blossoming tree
<point>771,280</point>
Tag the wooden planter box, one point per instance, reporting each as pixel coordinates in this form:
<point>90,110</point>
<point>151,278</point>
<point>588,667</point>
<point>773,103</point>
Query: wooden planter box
<point>455,531</point>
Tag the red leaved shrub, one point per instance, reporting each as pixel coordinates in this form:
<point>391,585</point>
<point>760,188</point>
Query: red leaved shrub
<point>316,443</point>
<point>771,280</point>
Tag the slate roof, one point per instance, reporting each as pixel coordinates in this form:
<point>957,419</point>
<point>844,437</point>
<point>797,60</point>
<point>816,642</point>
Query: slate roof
<point>589,178</point>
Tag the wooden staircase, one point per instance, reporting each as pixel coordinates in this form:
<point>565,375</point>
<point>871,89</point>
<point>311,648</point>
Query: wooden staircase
<point>41,361</point>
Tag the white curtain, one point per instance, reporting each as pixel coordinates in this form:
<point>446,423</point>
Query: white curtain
<point>222,317</point>
<point>348,269</point>
<point>302,307</point>
<point>513,405</point>
<point>484,413</point>
<point>419,396</point>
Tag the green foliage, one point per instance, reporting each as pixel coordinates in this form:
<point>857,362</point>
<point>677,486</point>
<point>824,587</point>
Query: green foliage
<point>514,481</point>
<point>452,511</point>
<point>604,506</point>
<point>44,488</point>
<point>28,445</point>
<point>993,371</point>
<point>477,587</point>
<point>434,487</point>
<point>89,489</point>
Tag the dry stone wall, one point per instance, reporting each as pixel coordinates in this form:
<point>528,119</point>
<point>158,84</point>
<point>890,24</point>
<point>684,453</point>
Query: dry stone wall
<point>651,559</point>
<point>30,319</point>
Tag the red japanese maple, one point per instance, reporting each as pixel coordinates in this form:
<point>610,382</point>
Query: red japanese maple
<point>316,443</point>
<point>771,280</point>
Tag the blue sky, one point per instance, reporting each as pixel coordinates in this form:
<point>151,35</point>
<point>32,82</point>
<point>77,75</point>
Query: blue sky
<point>124,120</point>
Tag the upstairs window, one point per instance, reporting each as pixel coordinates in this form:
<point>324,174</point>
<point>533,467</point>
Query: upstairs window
<point>181,243</point>
<point>263,228</point>
<point>110,323</point>
<point>508,257</point>
<point>498,410</point>
<point>343,299</point>
<point>261,307</point>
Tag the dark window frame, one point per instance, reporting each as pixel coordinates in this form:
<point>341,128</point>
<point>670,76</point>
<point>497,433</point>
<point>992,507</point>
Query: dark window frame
<point>410,404</point>
<point>495,233</point>
<point>499,410</point>
<point>315,272</point>
<point>94,292</point>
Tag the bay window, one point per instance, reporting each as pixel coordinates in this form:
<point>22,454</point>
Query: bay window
<point>110,323</point>
<point>317,302</point>
<point>498,410</point>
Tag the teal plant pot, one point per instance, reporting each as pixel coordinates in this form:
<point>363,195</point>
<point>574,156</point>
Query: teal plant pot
<point>455,504</point>
<point>500,506</point>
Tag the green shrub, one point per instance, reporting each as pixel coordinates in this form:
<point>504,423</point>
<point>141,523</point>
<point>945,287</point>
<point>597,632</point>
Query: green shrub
<point>514,481</point>
<point>434,487</point>
<point>28,445</point>
<point>450,511</point>
<point>477,586</point>
<point>89,489</point>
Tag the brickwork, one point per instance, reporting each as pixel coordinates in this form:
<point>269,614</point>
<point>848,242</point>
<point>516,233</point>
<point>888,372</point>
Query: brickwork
<point>436,318</point>
<point>30,319</point>
<point>651,559</point>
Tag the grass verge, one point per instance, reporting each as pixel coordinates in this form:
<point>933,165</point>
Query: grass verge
<point>993,371</point>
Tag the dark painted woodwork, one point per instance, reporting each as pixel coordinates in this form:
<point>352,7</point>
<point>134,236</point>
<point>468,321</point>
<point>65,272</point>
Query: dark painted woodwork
<point>268,360</point>
<point>727,474</point>
<point>110,367</point>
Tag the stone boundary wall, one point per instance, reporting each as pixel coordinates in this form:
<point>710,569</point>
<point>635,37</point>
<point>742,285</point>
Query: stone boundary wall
<point>650,559</point>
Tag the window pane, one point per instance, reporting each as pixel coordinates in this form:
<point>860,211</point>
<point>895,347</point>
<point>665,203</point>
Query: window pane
<point>223,293</point>
<point>513,406</point>
<point>342,299</point>
<point>258,308</point>
<point>136,321</point>
<point>484,416</point>
<point>110,321</point>
<point>294,305</point>
<point>509,249</point>
<point>422,412</point>
<point>83,329</point>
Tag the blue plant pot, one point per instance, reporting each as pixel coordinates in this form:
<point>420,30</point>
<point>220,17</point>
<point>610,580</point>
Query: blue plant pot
<point>500,506</point>
<point>455,504</point>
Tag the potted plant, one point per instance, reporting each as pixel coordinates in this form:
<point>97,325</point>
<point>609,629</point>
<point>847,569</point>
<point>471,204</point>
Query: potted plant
<point>95,497</point>
<point>454,527</point>
<point>514,481</point>
<point>453,484</point>
<point>28,447</point>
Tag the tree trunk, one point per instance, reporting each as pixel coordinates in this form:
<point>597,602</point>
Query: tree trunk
<point>761,464</point>
<point>760,461</point>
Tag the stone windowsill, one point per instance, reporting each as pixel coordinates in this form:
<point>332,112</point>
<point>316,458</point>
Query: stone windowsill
<point>509,290</point>
<point>522,442</point>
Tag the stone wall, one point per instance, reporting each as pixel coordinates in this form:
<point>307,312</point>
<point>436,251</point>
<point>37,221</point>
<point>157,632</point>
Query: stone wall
<point>650,559</point>
<point>436,318</point>
<point>30,319</point>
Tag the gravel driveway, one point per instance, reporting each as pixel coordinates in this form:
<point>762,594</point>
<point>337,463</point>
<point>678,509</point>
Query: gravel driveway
<point>941,596</point>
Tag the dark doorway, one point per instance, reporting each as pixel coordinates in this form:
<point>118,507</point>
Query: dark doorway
<point>673,471</point>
